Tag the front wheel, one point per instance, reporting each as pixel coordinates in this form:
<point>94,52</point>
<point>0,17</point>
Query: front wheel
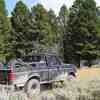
<point>32,87</point>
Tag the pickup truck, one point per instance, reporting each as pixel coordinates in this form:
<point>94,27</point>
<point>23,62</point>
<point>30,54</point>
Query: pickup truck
<point>33,70</point>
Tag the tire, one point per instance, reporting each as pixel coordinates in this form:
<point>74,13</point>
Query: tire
<point>32,87</point>
<point>71,76</point>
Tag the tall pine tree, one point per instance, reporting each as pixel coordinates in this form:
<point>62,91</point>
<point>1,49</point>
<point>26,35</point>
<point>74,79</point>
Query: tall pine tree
<point>45,34</point>
<point>22,34</point>
<point>62,26</point>
<point>4,30</point>
<point>54,30</point>
<point>80,38</point>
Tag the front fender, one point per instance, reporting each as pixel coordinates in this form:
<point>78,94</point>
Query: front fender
<point>33,75</point>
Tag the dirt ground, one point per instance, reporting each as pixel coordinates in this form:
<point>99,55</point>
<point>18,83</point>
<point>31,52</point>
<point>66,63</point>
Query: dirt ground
<point>85,73</point>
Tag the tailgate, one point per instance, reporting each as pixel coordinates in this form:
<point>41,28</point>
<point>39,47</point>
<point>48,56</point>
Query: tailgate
<point>4,71</point>
<point>4,76</point>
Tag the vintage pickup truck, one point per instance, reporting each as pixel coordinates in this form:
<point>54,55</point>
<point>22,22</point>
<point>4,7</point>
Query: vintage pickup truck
<point>33,70</point>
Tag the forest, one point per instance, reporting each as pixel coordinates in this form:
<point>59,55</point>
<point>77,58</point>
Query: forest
<point>73,34</point>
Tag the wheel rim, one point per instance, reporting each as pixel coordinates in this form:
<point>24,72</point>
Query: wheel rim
<point>33,87</point>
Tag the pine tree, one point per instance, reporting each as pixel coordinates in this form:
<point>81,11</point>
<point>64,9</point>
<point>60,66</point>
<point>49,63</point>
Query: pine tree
<point>63,15</point>
<point>2,7</point>
<point>81,32</point>
<point>45,34</point>
<point>22,36</point>
<point>53,23</point>
<point>54,30</point>
<point>62,26</point>
<point>4,30</point>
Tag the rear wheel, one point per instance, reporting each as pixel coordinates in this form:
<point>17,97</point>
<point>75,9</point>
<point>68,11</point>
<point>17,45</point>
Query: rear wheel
<point>32,87</point>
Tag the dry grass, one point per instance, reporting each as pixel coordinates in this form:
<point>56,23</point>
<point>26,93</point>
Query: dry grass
<point>85,87</point>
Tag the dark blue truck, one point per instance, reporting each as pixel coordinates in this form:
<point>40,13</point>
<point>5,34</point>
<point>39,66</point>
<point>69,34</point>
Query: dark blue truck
<point>33,70</point>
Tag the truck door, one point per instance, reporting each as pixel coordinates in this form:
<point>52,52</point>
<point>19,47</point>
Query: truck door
<point>43,71</point>
<point>52,66</point>
<point>60,69</point>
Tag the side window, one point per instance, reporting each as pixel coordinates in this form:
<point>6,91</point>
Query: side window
<point>19,67</point>
<point>42,64</point>
<point>53,60</point>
